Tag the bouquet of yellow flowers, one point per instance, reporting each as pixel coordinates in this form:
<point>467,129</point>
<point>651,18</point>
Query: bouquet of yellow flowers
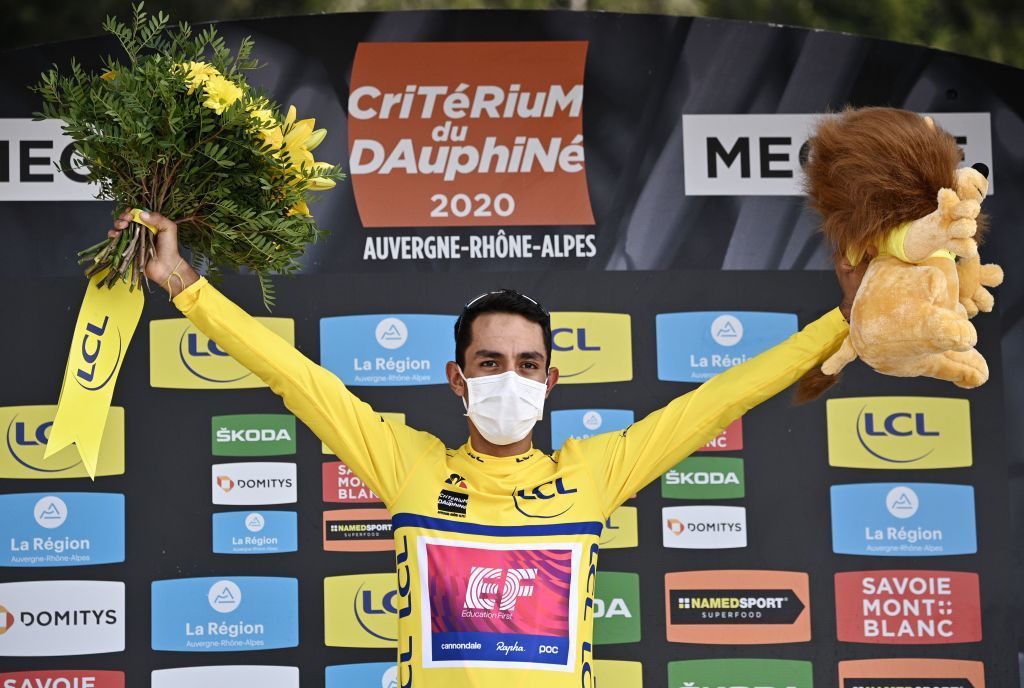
<point>176,129</point>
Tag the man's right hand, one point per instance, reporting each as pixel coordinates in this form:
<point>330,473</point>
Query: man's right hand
<point>168,257</point>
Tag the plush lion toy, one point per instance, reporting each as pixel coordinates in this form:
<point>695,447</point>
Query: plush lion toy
<point>889,190</point>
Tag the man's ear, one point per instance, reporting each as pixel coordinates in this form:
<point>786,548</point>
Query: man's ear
<point>455,381</point>
<point>552,380</point>
<point>930,122</point>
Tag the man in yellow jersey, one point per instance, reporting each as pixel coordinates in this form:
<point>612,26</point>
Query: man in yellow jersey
<point>496,542</point>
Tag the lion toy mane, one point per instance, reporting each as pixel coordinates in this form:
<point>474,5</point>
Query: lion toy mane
<point>889,189</point>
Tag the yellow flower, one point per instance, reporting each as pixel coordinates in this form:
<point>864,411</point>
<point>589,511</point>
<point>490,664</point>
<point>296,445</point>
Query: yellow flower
<point>197,74</point>
<point>109,76</point>
<point>263,118</point>
<point>272,136</point>
<point>221,93</point>
<point>299,208</point>
<point>294,146</point>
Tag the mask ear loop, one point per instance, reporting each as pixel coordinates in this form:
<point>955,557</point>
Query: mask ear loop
<point>463,397</point>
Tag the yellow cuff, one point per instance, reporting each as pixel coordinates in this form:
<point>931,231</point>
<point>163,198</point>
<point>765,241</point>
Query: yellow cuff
<point>186,300</point>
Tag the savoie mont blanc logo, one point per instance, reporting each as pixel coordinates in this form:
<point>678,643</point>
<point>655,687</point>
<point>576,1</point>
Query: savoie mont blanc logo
<point>62,678</point>
<point>387,350</point>
<point>693,347</point>
<point>61,529</point>
<point>26,432</point>
<point>255,434</point>
<point>225,614</point>
<point>908,607</point>
<point>899,432</point>
<point>182,357</point>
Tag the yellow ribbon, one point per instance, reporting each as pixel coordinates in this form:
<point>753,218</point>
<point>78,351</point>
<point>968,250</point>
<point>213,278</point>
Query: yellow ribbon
<point>105,325</point>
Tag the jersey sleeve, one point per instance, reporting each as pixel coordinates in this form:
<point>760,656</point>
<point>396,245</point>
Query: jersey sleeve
<point>623,462</point>
<point>383,454</point>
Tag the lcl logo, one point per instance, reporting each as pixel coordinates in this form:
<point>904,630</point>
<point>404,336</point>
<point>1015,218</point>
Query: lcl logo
<point>537,498</point>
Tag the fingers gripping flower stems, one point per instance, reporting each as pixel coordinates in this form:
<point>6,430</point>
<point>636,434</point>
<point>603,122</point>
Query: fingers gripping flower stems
<point>177,129</point>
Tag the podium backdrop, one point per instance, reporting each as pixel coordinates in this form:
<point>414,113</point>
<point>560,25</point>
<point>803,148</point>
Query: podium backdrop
<point>638,175</point>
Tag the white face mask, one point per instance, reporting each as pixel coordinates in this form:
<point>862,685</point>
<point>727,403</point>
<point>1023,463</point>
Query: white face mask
<point>505,407</point>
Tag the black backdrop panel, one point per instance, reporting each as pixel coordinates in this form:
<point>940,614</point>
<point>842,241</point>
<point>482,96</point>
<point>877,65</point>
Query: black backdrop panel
<point>785,453</point>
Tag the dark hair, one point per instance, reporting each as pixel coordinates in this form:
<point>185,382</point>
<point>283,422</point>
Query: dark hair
<point>502,301</point>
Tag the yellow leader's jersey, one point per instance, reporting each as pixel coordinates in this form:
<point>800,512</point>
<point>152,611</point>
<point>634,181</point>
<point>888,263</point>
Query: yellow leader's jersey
<point>497,556</point>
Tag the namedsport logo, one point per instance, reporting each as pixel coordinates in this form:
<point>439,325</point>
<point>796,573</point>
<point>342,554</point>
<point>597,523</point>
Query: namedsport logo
<point>387,350</point>
<point>181,357</point>
<point>591,347</point>
<point>737,607</point>
<point>911,673</point>
<point>26,432</point>
<point>358,530</point>
<point>899,432</point>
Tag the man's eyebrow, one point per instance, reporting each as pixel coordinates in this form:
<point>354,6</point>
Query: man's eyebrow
<point>528,355</point>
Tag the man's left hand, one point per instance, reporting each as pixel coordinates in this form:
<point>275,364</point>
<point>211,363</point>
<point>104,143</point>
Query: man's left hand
<point>849,277</point>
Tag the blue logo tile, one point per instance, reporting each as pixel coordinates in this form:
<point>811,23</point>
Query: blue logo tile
<point>255,532</point>
<point>387,350</point>
<point>370,675</point>
<point>693,347</point>
<point>903,519</point>
<point>61,529</point>
<point>225,614</point>
<point>582,423</point>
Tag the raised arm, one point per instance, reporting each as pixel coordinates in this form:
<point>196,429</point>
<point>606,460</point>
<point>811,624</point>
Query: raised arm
<point>382,453</point>
<point>625,461</point>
